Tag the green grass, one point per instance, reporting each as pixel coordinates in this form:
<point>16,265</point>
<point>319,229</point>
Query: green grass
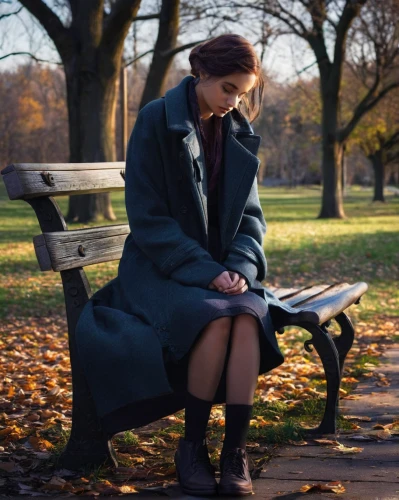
<point>300,250</point>
<point>360,366</point>
<point>128,439</point>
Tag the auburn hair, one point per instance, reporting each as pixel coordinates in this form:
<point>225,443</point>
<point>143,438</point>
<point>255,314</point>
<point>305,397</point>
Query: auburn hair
<point>226,54</point>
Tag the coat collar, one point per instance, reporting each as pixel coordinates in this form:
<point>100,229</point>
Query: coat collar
<point>240,161</point>
<point>179,117</point>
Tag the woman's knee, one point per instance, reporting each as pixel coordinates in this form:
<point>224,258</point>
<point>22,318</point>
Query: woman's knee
<point>245,324</point>
<point>215,335</point>
<point>222,326</point>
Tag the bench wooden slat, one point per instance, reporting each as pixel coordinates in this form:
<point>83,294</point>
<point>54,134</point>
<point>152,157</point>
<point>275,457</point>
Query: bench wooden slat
<point>30,180</point>
<point>335,300</point>
<point>282,292</point>
<point>293,296</point>
<point>38,167</point>
<point>98,244</point>
<point>324,301</point>
<point>304,294</point>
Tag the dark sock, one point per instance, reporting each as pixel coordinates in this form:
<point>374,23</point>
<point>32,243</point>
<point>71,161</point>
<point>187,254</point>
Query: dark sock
<point>236,426</point>
<point>196,417</point>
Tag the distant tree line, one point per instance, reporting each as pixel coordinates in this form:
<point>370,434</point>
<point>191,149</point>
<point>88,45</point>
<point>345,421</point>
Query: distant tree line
<point>34,127</point>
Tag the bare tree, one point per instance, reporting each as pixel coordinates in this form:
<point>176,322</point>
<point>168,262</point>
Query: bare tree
<point>324,25</point>
<point>90,47</point>
<point>385,153</point>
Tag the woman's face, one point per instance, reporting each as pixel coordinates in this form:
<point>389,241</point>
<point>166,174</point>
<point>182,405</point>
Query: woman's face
<point>219,95</point>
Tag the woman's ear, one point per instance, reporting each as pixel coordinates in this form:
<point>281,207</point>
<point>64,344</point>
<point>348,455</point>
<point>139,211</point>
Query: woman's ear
<point>203,75</point>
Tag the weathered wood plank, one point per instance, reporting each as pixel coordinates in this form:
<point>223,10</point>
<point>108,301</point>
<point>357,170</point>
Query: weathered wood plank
<point>42,255</point>
<point>334,300</point>
<point>25,183</point>
<point>38,167</point>
<point>83,247</point>
<point>326,301</point>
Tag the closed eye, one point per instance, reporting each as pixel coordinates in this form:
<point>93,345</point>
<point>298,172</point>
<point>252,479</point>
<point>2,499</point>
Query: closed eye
<point>229,92</point>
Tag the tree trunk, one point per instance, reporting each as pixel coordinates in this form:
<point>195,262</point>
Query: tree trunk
<point>161,61</point>
<point>379,173</point>
<point>91,102</point>
<point>332,203</point>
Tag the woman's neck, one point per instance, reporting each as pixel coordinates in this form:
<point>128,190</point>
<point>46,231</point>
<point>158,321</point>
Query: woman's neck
<point>205,112</point>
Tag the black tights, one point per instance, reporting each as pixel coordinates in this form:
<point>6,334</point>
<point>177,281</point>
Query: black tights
<point>205,369</point>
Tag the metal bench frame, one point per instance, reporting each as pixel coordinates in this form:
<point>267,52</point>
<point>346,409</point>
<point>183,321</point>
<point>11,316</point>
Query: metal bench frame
<point>59,249</point>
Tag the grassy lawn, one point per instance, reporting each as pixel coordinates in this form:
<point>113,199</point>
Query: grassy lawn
<point>301,250</point>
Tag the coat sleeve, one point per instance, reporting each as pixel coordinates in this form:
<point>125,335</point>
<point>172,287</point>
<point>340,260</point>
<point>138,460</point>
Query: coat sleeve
<point>245,253</point>
<point>153,228</point>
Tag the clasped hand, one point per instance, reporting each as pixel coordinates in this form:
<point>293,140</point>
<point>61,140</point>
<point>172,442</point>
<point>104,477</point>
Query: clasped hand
<point>229,282</point>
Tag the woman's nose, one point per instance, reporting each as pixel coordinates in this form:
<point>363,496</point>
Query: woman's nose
<point>233,102</point>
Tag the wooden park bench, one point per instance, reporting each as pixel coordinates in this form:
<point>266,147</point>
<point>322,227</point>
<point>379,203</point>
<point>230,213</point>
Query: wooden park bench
<point>68,252</point>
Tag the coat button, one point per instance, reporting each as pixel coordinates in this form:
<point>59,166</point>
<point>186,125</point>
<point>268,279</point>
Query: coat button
<point>179,177</point>
<point>181,154</point>
<point>183,209</point>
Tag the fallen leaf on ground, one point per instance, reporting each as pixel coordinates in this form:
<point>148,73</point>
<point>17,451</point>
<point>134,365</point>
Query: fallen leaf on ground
<point>357,417</point>
<point>335,487</point>
<point>326,441</point>
<point>347,449</point>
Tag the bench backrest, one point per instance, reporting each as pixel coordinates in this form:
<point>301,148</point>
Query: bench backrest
<point>57,248</point>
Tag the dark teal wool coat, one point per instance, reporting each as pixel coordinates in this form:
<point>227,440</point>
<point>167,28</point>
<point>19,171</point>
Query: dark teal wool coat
<point>134,335</point>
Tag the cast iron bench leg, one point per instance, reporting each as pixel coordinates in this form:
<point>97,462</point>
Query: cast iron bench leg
<point>328,354</point>
<point>344,342</point>
<point>88,444</point>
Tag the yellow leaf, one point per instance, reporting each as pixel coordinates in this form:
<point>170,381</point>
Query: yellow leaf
<point>347,449</point>
<point>39,444</point>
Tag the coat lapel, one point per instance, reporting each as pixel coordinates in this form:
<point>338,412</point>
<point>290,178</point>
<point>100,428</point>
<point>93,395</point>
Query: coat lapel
<point>239,172</point>
<point>240,163</point>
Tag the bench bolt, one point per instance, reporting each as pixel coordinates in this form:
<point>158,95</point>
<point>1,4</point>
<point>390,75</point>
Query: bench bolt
<point>48,178</point>
<point>81,250</point>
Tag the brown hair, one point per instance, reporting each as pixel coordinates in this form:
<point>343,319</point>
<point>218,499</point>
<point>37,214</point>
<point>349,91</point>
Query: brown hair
<point>226,54</point>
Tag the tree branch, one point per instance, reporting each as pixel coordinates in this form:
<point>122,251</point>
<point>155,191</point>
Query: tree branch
<point>362,108</point>
<point>288,18</point>
<point>11,13</point>
<point>137,58</point>
<point>145,17</point>
<point>350,12</point>
<point>392,141</point>
<point>51,23</point>
<point>37,59</point>
<point>117,23</point>
<point>176,50</point>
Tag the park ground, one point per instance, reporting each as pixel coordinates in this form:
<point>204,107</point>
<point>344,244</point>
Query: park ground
<point>35,385</point>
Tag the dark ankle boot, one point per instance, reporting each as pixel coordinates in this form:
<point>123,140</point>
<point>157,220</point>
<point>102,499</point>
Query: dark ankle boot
<point>194,470</point>
<point>235,479</point>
